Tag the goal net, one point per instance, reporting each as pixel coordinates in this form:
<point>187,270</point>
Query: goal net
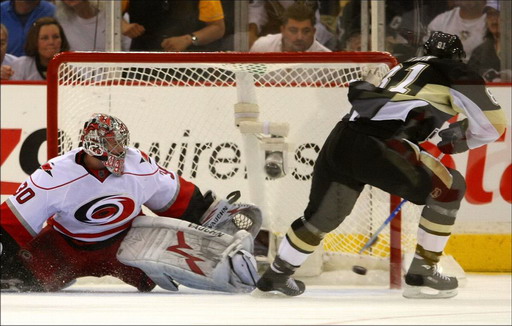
<point>236,121</point>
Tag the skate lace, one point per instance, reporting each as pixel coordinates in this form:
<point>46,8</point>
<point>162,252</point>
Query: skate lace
<point>290,283</point>
<point>437,273</point>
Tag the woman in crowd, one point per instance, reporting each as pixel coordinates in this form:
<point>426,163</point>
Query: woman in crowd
<point>45,39</point>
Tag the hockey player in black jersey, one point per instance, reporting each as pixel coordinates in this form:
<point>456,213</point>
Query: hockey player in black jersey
<point>378,143</point>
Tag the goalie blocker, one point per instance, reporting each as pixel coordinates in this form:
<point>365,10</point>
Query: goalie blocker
<point>173,252</point>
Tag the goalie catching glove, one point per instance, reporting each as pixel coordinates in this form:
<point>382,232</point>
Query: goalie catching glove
<point>173,252</point>
<point>453,138</point>
<point>229,217</point>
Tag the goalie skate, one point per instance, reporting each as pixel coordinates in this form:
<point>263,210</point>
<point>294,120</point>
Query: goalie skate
<point>425,281</point>
<point>12,285</point>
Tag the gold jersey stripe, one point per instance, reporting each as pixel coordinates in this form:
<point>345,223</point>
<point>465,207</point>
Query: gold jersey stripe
<point>435,227</point>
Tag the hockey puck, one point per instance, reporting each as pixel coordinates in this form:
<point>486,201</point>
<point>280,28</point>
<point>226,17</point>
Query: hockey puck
<point>359,270</point>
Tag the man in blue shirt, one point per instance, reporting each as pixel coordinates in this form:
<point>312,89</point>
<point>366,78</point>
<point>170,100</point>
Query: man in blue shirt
<point>18,16</point>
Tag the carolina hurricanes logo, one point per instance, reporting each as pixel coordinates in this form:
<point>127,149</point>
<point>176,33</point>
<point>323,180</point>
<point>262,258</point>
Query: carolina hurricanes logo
<point>191,260</point>
<point>106,210</point>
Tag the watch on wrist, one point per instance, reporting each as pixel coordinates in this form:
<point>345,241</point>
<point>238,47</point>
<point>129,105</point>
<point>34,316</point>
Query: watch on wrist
<point>195,40</point>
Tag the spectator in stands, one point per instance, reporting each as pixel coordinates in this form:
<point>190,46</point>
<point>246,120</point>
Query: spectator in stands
<point>227,42</point>
<point>45,39</point>
<point>297,33</point>
<point>353,41</point>
<point>84,23</point>
<point>176,26</point>
<point>6,59</point>
<point>18,16</point>
<point>329,11</point>
<point>466,20</point>
<point>405,25</point>
<point>408,29</point>
<point>266,16</point>
<point>485,59</point>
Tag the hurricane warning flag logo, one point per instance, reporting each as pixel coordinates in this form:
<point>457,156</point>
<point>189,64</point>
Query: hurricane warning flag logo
<point>106,210</point>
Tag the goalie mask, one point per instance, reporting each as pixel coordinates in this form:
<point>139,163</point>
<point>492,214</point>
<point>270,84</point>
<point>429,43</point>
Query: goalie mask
<point>444,46</point>
<point>105,137</point>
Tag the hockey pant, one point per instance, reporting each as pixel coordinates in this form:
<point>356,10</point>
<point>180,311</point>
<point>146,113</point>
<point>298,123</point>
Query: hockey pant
<point>349,160</point>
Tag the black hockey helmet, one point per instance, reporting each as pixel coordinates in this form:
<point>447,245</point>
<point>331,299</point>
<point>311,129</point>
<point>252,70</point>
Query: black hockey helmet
<point>444,46</point>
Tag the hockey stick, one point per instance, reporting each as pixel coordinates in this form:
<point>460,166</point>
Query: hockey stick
<point>391,216</point>
<point>362,270</point>
<point>374,237</point>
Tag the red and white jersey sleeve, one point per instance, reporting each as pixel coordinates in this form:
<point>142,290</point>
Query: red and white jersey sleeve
<point>81,206</point>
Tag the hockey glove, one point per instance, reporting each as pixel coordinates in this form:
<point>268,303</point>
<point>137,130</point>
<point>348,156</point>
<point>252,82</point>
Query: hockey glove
<point>453,138</point>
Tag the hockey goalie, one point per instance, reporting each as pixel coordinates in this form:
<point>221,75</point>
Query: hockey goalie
<point>80,214</point>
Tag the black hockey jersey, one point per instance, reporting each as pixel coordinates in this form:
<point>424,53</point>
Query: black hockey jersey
<point>415,98</point>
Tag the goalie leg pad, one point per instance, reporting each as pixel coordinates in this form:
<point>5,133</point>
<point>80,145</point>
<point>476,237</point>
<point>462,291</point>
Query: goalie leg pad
<point>244,269</point>
<point>173,252</point>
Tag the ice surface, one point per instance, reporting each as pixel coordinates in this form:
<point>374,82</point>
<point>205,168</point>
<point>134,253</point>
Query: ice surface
<point>484,300</point>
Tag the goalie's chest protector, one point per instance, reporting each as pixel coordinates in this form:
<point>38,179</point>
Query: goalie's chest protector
<point>84,208</point>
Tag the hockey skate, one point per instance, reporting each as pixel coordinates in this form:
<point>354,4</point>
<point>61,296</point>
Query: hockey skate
<point>275,282</point>
<point>425,281</point>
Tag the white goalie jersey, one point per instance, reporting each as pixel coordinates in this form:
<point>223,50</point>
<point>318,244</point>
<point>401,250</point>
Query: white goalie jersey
<point>89,207</point>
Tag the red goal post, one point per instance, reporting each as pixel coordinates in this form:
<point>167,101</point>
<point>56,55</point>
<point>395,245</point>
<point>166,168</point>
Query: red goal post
<point>182,108</point>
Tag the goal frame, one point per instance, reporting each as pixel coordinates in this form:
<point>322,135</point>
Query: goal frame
<point>220,57</point>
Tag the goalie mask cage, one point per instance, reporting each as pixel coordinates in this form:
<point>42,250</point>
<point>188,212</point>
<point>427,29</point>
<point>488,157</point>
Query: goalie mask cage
<point>180,108</point>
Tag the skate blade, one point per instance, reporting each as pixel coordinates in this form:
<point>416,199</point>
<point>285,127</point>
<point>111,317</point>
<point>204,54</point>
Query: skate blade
<point>268,294</point>
<point>423,292</point>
